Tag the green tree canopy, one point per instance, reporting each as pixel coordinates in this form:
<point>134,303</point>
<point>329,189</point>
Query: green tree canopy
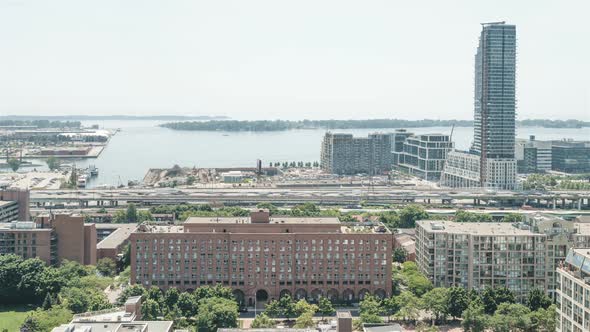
<point>537,299</point>
<point>106,266</point>
<point>14,164</point>
<point>409,215</point>
<point>150,310</point>
<point>262,321</point>
<point>325,307</point>
<point>458,300</point>
<point>217,313</point>
<point>435,302</point>
<point>474,317</point>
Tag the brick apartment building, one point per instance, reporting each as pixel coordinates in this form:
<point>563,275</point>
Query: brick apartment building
<point>263,258</point>
<point>51,239</point>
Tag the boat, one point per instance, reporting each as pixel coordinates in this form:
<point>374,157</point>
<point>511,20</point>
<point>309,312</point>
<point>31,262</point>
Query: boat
<point>81,182</point>
<point>93,170</point>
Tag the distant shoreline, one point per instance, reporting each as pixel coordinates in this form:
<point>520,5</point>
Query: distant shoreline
<point>284,125</point>
<point>114,117</point>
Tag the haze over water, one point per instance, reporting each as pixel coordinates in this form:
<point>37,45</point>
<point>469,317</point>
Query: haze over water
<point>141,145</point>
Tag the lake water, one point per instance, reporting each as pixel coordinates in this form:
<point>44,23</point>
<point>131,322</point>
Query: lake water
<point>141,145</point>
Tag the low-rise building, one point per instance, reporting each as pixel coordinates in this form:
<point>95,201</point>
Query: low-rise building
<point>263,258</point>
<point>570,156</point>
<point>573,291</point>
<point>112,239</point>
<point>124,319</point>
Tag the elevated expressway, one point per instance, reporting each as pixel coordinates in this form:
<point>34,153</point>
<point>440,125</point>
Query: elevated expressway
<point>579,200</point>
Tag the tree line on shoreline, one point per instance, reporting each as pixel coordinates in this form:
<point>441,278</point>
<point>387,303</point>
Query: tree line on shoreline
<point>281,125</point>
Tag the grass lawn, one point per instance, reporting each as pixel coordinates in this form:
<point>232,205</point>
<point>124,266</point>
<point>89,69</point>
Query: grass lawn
<point>11,318</point>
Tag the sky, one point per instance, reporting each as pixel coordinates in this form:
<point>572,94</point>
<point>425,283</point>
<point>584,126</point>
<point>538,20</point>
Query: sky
<point>271,59</point>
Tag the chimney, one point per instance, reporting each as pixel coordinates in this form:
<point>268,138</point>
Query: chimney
<point>261,216</point>
<point>133,306</point>
<point>344,321</point>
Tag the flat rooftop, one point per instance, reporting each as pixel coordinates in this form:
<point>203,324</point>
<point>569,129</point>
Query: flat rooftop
<point>151,326</point>
<point>5,203</point>
<point>475,228</point>
<point>273,220</point>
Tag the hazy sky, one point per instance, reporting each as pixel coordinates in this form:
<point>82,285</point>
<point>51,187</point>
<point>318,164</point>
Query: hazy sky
<point>284,59</point>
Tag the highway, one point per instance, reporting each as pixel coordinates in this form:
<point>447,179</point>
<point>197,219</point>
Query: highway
<point>328,195</point>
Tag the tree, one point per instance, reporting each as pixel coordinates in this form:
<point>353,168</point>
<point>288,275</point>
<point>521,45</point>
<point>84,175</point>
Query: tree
<point>131,213</point>
<point>45,320</point>
<point>150,310</point>
<point>171,297</point>
<point>544,320</point>
<point>457,301</point>
<point>390,306</point>
<point>474,318</point>
<point>76,299</point>
<point>106,266</point>
<point>187,305</point>
<point>47,302</point>
<point>273,309</point>
<point>14,164</point>
<point>466,216</point>
<point>262,321</point>
<point>53,163</point>
<point>493,297</point>
<point>287,306</point>
<point>144,216</point>
<point>325,307</point>
<point>435,301</point>
<point>409,215</point>
<point>98,301</point>
<point>513,217</point>
<point>269,206</point>
<point>370,305</point>
<point>302,306</point>
<point>409,306</point>
<point>119,217</point>
<point>537,299</point>
<point>133,290</point>
<point>154,293</point>
<point>399,255</point>
<point>304,321</point>
<point>511,317</point>
<point>217,313</point>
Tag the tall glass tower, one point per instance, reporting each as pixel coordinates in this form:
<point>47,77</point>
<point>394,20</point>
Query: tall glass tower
<point>495,104</point>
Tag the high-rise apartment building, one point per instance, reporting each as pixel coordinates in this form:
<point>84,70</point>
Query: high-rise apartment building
<point>518,256</point>
<point>494,110</point>
<point>345,154</point>
<point>424,155</point>
<point>263,258</point>
<point>495,105</point>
